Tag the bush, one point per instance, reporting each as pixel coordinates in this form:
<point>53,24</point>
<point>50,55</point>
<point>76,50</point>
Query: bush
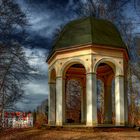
<point>41,120</point>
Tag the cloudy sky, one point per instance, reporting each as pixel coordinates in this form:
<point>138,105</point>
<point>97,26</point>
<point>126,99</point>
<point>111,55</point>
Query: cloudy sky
<point>44,16</point>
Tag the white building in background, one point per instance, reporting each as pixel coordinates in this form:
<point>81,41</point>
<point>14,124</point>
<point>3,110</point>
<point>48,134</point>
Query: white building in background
<point>18,119</point>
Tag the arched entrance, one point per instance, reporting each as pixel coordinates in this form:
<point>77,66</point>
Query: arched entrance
<point>105,94</point>
<point>75,94</point>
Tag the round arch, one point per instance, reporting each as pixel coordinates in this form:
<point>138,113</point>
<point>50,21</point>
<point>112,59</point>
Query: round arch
<point>74,71</point>
<point>52,75</point>
<point>106,69</point>
<point>112,63</point>
<point>69,63</point>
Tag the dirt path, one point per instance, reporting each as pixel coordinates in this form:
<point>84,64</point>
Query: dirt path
<point>54,134</point>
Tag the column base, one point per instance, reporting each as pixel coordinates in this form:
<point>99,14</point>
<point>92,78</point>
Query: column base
<point>59,123</point>
<point>83,122</point>
<point>91,124</point>
<point>51,123</point>
<point>120,123</point>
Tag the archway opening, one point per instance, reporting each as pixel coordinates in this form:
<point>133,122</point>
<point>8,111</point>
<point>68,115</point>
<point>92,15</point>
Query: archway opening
<point>105,94</point>
<point>75,98</point>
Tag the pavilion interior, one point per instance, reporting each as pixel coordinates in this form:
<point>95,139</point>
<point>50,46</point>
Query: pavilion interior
<point>75,94</point>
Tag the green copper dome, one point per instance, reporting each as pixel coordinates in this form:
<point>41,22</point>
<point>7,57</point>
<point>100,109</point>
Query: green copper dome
<point>89,31</point>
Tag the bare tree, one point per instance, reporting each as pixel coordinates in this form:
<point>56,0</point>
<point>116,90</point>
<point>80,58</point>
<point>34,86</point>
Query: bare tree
<point>14,68</point>
<point>137,6</point>
<point>100,101</point>
<point>73,100</point>
<point>111,10</point>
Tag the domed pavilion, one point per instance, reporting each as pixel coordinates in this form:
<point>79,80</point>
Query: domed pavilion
<point>88,50</point>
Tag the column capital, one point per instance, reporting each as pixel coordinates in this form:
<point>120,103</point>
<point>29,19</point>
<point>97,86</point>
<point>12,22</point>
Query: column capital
<point>119,76</point>
<point>52,82</point>
<point>60,77</point>
<point>57,77</point>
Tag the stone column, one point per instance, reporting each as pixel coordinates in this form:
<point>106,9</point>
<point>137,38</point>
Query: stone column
<point>59,101</point>
<point>126,101</point>
<point>119,100</point>
<point>108,104</point>
<point>91,96</point>
<point>82,107</point>
<point>52,104</point>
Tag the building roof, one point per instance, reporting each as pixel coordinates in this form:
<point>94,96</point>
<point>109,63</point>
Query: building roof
<point>88,31</point>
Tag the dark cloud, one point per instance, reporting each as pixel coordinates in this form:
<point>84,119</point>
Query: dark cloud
<point>31,102</point>
<point>48,3</point>
<point>36,89</point>
<point>35,40</point>
<point>45,16</point>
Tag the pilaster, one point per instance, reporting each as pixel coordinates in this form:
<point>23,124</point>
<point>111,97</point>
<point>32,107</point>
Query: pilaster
<point>52,104</point>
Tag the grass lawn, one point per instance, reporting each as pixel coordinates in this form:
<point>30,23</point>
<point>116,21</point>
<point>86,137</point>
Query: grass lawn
<point>71,134</point>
